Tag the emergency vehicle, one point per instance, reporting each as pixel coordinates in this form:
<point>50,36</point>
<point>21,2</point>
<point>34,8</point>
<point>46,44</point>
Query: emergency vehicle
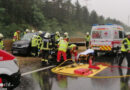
<point>9,70</point>
<point>106,38</point>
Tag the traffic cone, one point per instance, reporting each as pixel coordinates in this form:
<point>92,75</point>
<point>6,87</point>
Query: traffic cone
<point>1,84</point>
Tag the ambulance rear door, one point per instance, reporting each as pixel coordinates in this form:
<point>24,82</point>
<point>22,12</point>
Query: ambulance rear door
<point>101,39</point>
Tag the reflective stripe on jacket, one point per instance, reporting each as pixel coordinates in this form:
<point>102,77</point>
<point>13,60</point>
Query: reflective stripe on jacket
<point>46,44</point>
<point>87,38</point>
<point>34,42</point>
<point>63,45</point>
<point>125,42</point>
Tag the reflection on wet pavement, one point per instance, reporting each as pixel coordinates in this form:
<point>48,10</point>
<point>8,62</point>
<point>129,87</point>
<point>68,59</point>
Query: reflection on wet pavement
<point>46,80</point>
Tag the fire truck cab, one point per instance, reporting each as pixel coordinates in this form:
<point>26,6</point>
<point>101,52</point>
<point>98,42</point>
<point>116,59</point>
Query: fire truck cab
<point>106,38</point>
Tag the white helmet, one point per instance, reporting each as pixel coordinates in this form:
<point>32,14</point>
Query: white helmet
<point>27,30</point>
<point>65,33</point>
<point>1,35</point>
<point>34,36</point>
<point>128,33</point>
<point>33,31</point>
<point>57,32</point>
<point>87,33</point>
<point>47,35</point>
<point>61,38</point>
<point>40,32</point>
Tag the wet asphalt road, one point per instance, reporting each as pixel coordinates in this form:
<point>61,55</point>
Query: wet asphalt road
<point>46,80</point>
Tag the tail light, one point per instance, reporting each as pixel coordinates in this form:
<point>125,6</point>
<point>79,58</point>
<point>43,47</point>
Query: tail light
<point>1,83</point>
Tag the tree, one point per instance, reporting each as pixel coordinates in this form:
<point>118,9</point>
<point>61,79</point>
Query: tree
<point>93,19</point>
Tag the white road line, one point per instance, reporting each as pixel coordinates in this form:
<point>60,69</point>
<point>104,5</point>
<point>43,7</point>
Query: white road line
<point>23,74</point>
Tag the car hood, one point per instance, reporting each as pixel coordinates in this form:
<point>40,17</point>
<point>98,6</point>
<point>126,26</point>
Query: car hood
<point>21,42</point>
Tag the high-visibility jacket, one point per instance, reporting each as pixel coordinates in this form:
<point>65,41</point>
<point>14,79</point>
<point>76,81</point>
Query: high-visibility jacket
<point>87,38</point>
<point>63,45</point>
<point>72,46</point>
<point>34,42</point>
<point>1,44</point>
<point>25,33</point>
<point>57,37</point>
<point>125,42</point>
<point>46,44</point>
<point>39,41</point>
<point>16,36</point>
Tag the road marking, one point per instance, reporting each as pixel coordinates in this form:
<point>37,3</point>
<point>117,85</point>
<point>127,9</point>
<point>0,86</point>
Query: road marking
<point>41,69</point>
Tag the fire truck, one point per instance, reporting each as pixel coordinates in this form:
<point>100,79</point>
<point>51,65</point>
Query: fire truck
<point>106,38</point>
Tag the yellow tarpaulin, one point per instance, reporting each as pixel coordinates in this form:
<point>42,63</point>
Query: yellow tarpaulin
<point>69,69</point>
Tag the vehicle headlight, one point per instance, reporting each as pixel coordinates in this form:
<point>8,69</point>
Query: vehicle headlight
<point>26,45</point>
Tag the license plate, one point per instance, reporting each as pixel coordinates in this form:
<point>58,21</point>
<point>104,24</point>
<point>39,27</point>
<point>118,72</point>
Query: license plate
<point>15,51</point>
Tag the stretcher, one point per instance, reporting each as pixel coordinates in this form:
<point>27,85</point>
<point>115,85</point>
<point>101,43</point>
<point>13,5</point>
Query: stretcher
<point>78,69</point>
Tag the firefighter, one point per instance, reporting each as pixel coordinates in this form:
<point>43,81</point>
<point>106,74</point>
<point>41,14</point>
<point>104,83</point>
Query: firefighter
<point>1,41</point>
<point>73,50</point>
<point>66,36</point>
<point>62,48</point>
<point>57,36</point>
<point>125,49</point>
<point>39,41</point>
<point>87,38</point>
<point>34,46</point>
<point>16,36</point>
<point>45,48</point>
<point>26,31</point>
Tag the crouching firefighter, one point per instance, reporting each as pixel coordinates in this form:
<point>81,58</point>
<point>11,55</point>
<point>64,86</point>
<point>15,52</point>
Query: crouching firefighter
<point>45,49</point>
<point>34,46</point>
<point>73,50</point>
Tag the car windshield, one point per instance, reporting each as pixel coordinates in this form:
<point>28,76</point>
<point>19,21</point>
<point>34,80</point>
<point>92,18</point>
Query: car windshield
<point>28,36</point>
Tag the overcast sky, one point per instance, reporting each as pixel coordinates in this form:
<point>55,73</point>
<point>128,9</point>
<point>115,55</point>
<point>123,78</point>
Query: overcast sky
<point>119,9</point>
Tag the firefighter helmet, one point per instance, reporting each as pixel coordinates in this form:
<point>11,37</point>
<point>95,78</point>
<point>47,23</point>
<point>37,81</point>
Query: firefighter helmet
<point>66,33</point>
<point>40,32</point>
<point>87,33</point>
<point>33,31</point>
<point>34,36</point>
<point>27,30</point>
<point>61,38</point>
<point>47,35</point>
<point>57,33</point>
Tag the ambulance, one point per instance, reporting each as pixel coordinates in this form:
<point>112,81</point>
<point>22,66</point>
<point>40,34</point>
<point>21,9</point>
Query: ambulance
<point>106,38</point>
<point>9,71</point>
